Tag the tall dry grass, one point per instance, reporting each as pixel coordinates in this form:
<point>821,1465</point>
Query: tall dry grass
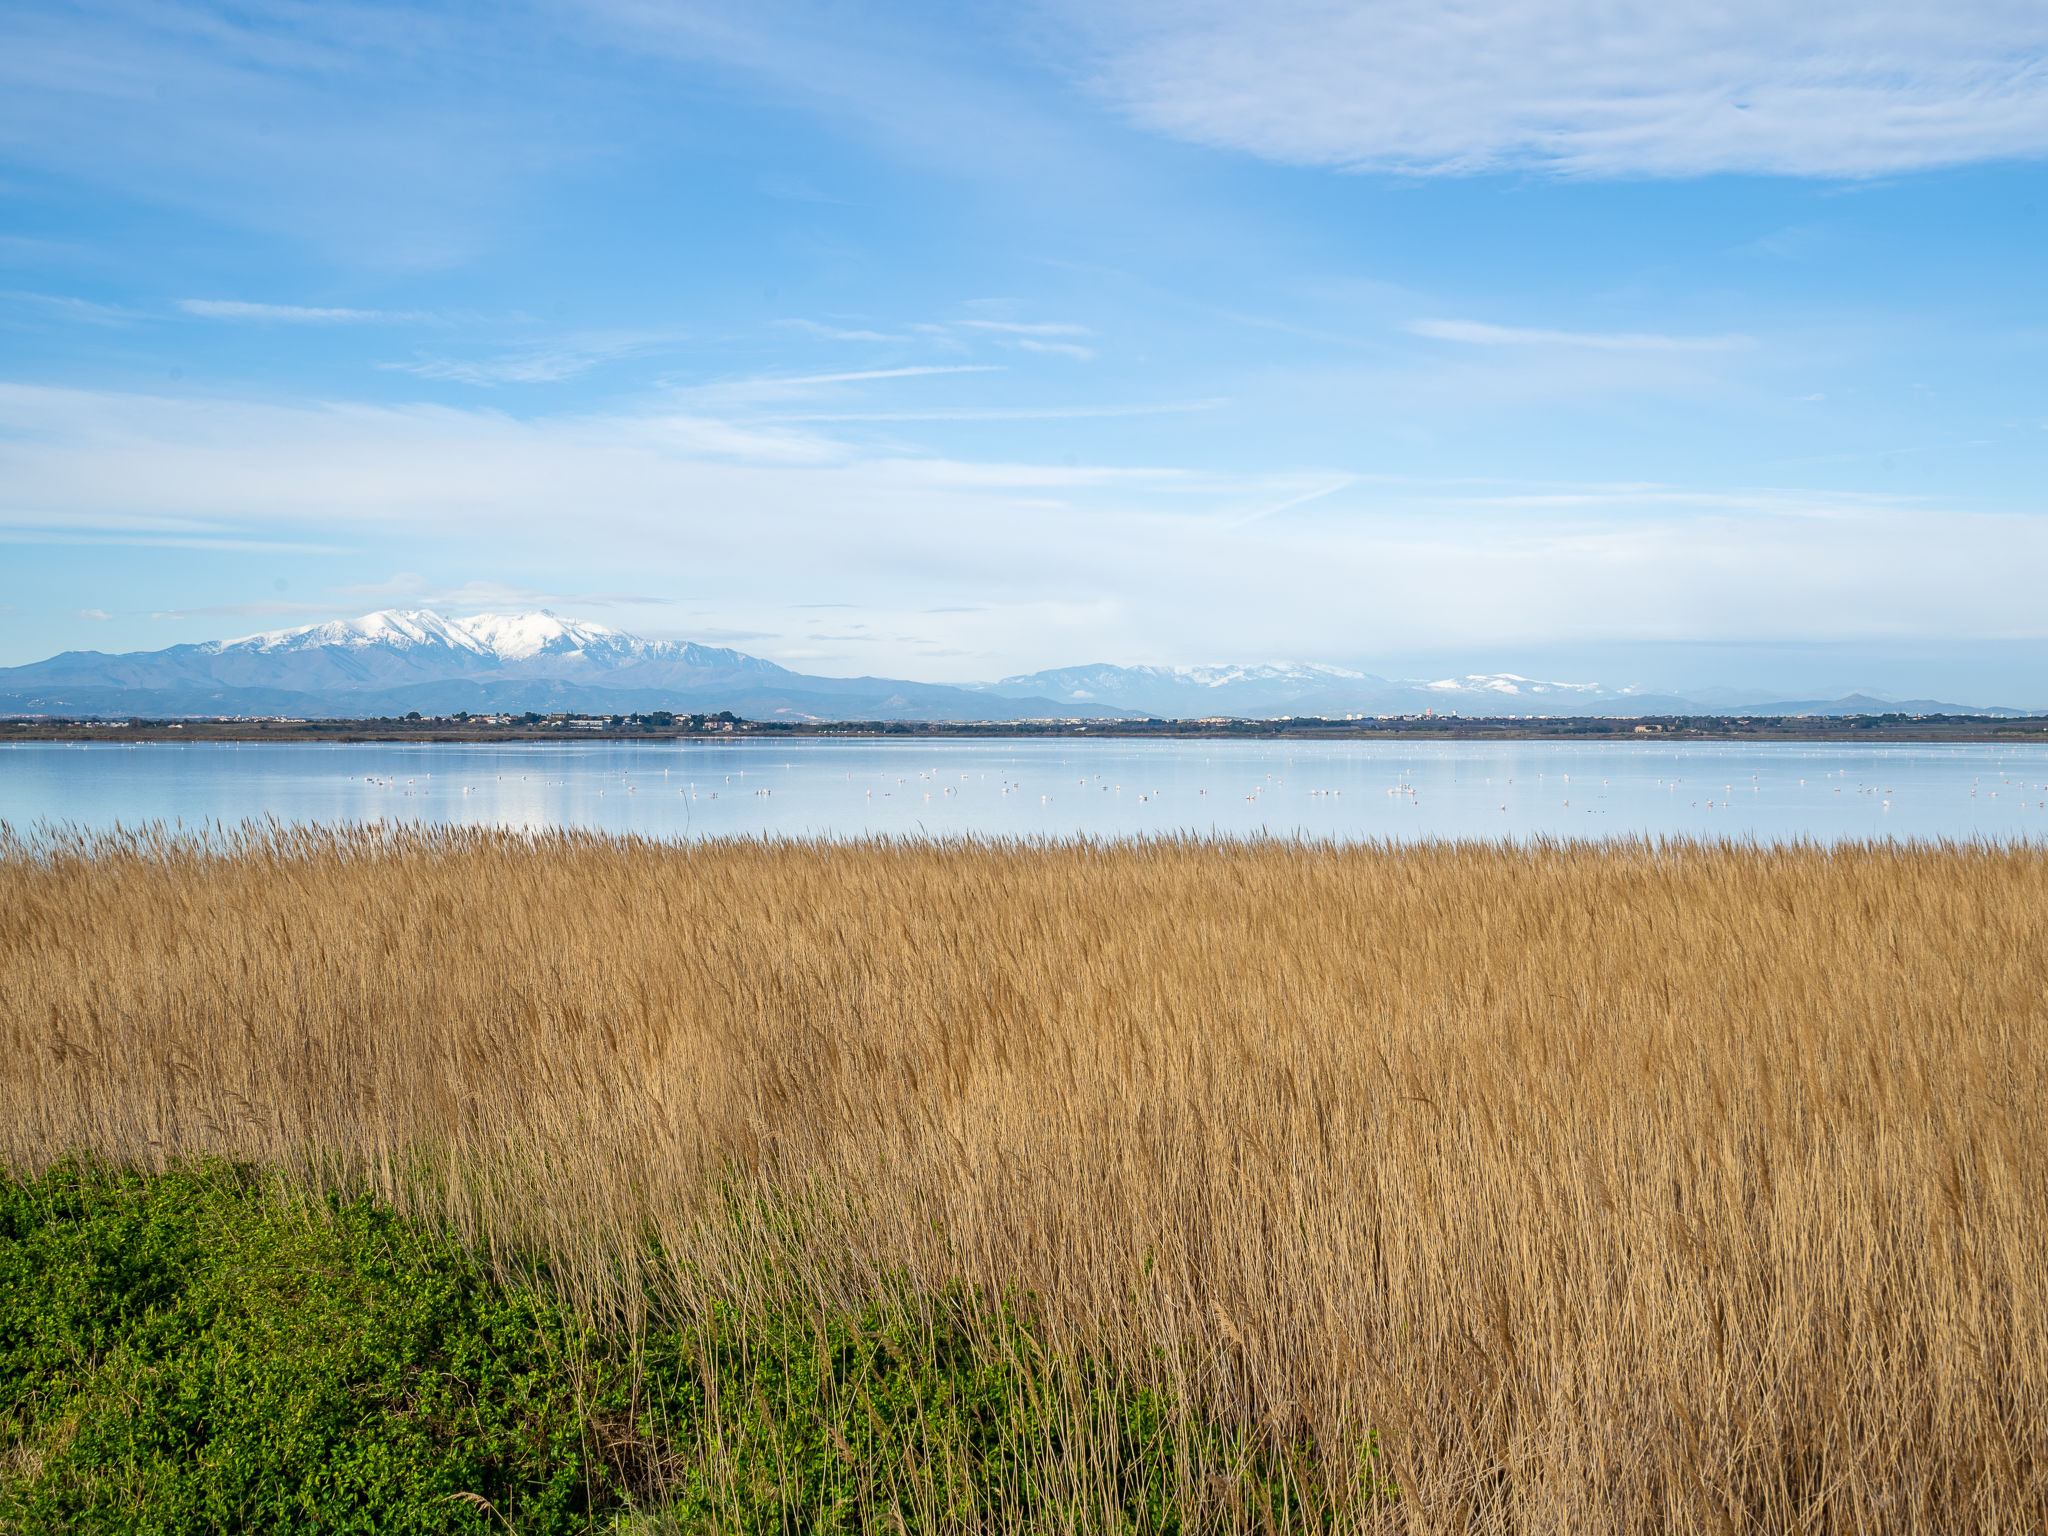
<point>1615,1188</point>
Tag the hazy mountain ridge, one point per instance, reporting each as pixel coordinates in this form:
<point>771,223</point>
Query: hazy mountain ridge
<point>1183,691</point>
<point>392,662</point>
<point>1296,688</point>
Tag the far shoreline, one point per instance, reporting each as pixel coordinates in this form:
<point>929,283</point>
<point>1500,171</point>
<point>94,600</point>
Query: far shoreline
<point>464,729</point>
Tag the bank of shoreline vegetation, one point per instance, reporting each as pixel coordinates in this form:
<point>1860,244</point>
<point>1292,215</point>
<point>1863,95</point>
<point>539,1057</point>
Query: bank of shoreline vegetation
<point>483,1180</point>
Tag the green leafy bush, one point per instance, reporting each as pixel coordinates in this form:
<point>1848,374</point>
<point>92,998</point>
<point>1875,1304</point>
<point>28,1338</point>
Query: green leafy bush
<point>185,1353</point>
<point>205,1351</point>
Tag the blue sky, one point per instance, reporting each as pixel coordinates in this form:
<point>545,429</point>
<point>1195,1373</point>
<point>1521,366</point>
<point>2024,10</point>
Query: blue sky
<point>1580,340</point>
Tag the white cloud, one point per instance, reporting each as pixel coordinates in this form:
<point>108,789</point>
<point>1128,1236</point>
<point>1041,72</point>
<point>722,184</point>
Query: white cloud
<point>1030,328</point>
<point>90,538</point>
<point>1062,563</point>
<point>84,310</point>
<point>836,333</point>
<point>529,368</point>
<point>290,314</point>
<point>1302,499</point>
<point>1845,88</point>
<point>1478,334</point>
<point>1012,413</point>
<point>1057,348</point>
<point>884,373</point>
<point>541,364</point>
<point>267,610</point>
<point>538,367</point>
<point>414,590</point>
<point>1032,335</point>
<point>767,389</point>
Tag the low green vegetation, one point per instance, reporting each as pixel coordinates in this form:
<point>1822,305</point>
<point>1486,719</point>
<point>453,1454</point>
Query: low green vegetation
<point>187,1353</point>
<point>204,1351</point>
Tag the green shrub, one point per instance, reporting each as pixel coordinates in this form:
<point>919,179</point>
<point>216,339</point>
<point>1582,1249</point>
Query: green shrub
<point>185,1353</point>
<point>204,1351</point>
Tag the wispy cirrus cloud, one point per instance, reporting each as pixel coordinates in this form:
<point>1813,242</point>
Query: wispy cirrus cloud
<point>763,390</point>
<point>541,363</point>
<point>1837,88</point>
<point>1037,335</point>
<point>262,610</point>
<point>411,587</point>
<point>1029,328</point>
<point>838,333</point>
<point>716,635</point>
<point>1477,333</point>
<point>540,367</point>
<point>1299,499</point>
<point>64,307</point>
<point>292,314</point>
<point>1056,348</point>
<point>1013,413</point>
<point>86,538</point>
<point>1056,337</point>
<point>864,374</point>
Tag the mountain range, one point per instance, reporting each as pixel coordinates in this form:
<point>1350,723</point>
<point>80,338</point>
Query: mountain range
<point>390,663</point>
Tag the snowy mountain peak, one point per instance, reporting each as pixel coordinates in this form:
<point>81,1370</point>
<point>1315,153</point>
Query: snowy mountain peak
<point>1105,680</point>
<point>505,636</point>
<point>1292,687</point>
<point>1508,683</point>
<point>1268,672</point>
<point>421,642</point>
<point>395,628</point>
<point>521,636</point>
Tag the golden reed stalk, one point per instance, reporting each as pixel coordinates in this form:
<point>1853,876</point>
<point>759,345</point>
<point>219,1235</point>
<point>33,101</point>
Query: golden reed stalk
<point>1620,1187</point>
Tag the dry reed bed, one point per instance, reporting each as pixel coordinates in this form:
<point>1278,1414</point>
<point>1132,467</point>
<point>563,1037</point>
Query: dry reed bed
<point>1620,1187</point>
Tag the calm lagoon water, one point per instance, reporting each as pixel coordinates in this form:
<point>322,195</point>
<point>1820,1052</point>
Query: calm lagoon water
<point>1058,788</point>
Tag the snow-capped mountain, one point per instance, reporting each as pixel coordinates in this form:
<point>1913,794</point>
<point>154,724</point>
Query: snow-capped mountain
<point>1313,689</point>
<point>391,662</point>
<point>540,643</point>
<point>1106,681</point>
<point>1182,692</point>
<point>1513,685</point>
<point>1302,688</point>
